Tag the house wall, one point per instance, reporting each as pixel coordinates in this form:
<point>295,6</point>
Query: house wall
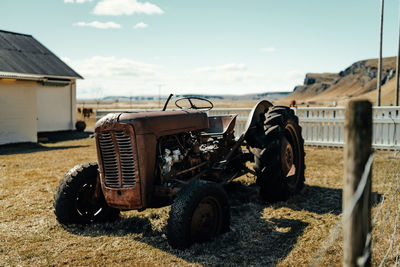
<point>56,108</point>
<point>73,104</point>
<point>17,111</point>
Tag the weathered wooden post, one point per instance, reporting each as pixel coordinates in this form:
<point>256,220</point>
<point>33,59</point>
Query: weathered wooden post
<point>358,138</point>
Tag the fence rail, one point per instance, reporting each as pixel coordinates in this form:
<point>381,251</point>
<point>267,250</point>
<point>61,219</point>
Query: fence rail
<point>322,126</point>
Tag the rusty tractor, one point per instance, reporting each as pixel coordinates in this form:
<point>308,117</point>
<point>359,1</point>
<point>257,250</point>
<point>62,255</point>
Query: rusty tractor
<point>183,158</point>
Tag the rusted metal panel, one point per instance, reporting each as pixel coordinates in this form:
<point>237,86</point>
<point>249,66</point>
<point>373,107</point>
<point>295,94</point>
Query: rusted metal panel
<point>146,145</point>
<point>166,122</point>
<point>117,193</point>
<point>221,125</point>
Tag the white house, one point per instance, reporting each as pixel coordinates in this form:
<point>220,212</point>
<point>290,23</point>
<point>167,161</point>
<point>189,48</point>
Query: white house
<point>37,90</point>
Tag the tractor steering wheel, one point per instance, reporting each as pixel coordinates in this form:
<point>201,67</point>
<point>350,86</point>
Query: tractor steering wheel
<point>208,106</point>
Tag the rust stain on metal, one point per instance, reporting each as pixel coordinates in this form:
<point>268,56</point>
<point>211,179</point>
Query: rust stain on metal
<point>118,192</point>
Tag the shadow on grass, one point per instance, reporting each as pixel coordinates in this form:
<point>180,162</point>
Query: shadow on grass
<point>320,200</point>
<point>45,138</point>
<point>54,137</point>
<point>252,240</point>
<point>316,199</point>
<point>121,227</point>
<point>25,148</point>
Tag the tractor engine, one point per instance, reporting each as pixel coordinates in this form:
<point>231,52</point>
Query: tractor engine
<point>185,156</point>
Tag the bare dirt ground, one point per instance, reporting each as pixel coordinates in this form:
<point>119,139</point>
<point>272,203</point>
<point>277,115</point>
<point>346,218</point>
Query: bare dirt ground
<point>285,234</point>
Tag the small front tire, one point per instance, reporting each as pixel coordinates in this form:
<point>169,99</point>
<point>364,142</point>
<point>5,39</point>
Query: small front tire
<point>199,212</point>
<point>76,200</point>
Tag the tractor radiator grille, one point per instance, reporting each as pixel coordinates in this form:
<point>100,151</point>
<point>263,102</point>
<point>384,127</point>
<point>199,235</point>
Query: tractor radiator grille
<point>118,159</point>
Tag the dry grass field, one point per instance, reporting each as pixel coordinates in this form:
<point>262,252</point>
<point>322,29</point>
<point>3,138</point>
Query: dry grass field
<point>286,233</point>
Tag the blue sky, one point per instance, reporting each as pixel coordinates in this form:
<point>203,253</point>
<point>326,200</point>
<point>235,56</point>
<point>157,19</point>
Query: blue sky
<point>131,47</point>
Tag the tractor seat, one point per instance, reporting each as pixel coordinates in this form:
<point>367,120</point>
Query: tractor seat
<point>220,125</point>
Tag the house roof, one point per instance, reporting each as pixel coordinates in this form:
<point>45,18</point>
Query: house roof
<point>23,54</point>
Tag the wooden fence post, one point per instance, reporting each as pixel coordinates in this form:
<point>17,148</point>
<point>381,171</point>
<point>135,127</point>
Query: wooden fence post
<point>358,139</point>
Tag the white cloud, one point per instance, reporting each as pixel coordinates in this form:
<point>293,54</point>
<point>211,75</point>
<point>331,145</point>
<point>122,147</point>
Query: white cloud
<point>227,74</point>
<point>125,77</point>
<point>115,76</point>
<point>125,7</point>
<point>238,77</point>
<point>226,67</point>
<point>269,49</point>
<point>77,1</point>
<point>140,25</point>
<point>99,66</point>
<point>99,25</point>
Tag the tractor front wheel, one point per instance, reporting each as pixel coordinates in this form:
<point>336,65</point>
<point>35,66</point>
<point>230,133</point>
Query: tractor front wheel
<point>77,200</point>
<point>200,212</point>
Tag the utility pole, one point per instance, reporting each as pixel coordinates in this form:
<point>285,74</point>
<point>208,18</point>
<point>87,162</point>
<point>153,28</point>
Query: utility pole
<point>379,78</point>
<point>159,94</point>
<point>398,66</point>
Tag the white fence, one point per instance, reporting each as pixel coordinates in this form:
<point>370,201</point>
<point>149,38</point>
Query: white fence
<point>322,126</point>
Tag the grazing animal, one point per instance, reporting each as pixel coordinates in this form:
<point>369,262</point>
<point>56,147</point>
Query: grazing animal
<point>87,112</point>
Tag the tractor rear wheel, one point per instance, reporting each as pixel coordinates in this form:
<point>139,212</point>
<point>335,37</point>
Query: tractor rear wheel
<point>200,212</point>
<point>279,162</point>
<point>77,200</point>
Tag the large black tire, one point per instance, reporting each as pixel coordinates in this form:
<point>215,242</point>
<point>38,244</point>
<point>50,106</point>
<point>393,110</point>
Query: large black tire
<point>75,200</point>
<point>279,160</point>
<point>199,212</point>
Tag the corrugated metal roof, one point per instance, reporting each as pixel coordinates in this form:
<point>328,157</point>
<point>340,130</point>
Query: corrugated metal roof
<point>21,53</point>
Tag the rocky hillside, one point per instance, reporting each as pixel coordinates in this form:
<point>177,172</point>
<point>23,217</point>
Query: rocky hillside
<point>356,81</point>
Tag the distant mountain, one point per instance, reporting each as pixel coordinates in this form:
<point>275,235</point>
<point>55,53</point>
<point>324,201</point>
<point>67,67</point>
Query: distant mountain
<point>356,81</point>
<point>258,96</point>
